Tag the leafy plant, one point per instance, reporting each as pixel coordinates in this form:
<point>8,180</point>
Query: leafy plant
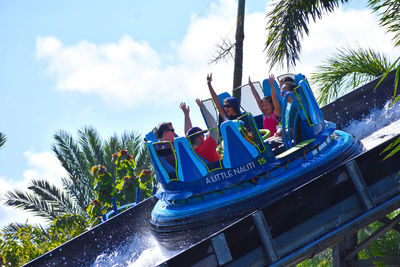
<point>21,243</point>
<point>121,186</point>
<point>386,250</point>
<point>323,259</point>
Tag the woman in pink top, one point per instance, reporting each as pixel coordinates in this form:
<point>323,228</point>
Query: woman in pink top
<point>269,106</point>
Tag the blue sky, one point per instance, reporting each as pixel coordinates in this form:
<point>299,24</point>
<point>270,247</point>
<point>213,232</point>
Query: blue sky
<point>125,66</point>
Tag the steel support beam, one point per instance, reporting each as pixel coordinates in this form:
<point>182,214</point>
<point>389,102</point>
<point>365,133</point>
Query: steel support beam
<point>359,183</point>
<point>265,236</point>
<point>221,249</point>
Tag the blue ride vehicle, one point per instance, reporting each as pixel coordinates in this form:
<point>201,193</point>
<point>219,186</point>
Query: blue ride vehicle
<point>252,171</point>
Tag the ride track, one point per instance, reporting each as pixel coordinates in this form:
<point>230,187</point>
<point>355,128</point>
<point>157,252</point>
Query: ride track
<point>304,222</point>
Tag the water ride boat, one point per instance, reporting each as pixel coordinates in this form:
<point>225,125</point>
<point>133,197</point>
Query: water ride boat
<point>253,171</point>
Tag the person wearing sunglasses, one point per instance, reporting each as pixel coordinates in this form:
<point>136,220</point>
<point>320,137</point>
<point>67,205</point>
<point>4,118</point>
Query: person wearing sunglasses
<point>230,109</point>
<point>165,134</point>
<point>269,106</point>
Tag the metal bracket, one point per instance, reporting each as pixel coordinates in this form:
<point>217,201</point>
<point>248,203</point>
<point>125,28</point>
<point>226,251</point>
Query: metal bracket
<point>265,236</point>
<point>221,249</point>
<point>358,180</point>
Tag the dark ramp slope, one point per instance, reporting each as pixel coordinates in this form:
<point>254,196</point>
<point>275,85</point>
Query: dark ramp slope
<point>84,249</point>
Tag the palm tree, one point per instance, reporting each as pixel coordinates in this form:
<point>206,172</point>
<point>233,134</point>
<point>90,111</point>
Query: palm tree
<point>287,23</point>
<point>3,139</point>
<point>77,157</point>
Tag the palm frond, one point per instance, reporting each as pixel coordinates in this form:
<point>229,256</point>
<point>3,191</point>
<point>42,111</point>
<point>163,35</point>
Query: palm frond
<point>286,24</point>
<point>91,145</point>
<point>78,194</point>
<point>346,70</point>
<point>112,145</point>
<point>3,139</point>
<point>75,163</point>
<point>389,16</point>
<point>13,228</point>
<point>60,200</point>
<point>132,142</point>
<point>32,203</point>
<point>70,155</point>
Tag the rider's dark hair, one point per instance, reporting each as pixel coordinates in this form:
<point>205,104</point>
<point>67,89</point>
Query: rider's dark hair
<point>290,86</point>
<point>161,129</point>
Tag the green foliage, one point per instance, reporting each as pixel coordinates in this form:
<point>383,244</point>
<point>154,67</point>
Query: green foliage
<point>121,185</point>
<point>363,235</point>
<point>43,199</point>
<point>394,147</point>
<point>396,66</point>
<point>386,249</point>
<point>323,259</point>
<point>21,243</point>
<point>389,16</point>
<point>18,247</point>
<point>346,70</point>
<point>65,227</point>
<point>287,23</point>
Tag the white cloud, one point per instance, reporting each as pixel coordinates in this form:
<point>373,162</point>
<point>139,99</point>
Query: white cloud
<point>343,29</point>
<point>131,73</point>
<point>42,165</point>
<point>5,184</point>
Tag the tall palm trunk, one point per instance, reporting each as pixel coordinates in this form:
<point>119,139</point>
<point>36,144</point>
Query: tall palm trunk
<point>238,68</point>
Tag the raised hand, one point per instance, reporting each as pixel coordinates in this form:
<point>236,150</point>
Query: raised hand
<point>209,78</point>
<point>198,101</point>
<point>184,108</point>
<point>271,79</point>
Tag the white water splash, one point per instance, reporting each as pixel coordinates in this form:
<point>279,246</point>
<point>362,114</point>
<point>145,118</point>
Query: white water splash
<point>377,127</point>
<point>141,251</point>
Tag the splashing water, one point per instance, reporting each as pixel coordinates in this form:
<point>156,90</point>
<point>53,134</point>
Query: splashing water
<point>142,251</point>
<point>377,127</point>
